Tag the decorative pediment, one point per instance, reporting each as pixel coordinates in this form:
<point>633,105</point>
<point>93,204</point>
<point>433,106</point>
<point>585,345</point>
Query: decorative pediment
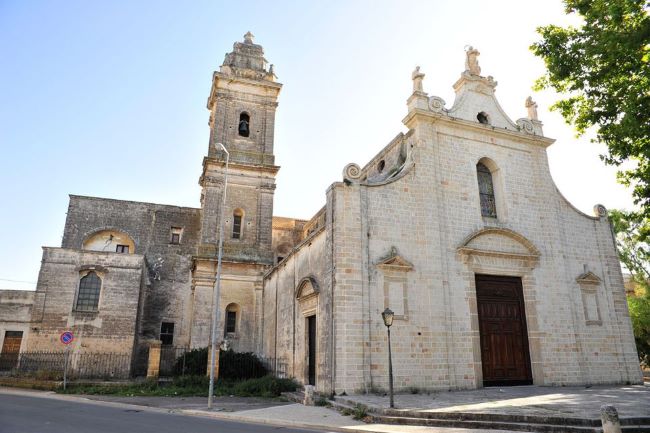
<point>588,278</point>
<point>307,287</point>
<point>394,261</point>
<point>499,242</point>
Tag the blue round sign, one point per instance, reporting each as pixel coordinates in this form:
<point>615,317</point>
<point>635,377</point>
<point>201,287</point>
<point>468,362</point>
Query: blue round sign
<point>67,337</point>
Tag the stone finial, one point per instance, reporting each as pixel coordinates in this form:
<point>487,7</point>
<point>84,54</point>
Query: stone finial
<point>417,77</point>
<point>248,38</point>
<point>532,108</point>
<point>600,211</point>
<point>471,60</point>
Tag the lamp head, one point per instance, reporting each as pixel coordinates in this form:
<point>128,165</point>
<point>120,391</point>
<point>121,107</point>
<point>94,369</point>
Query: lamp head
<point>388,315</point>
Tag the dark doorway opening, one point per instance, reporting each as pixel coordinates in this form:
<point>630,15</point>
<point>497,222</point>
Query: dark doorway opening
<point>10,350</point>
<point>311,344</point>
<point>502,325</point>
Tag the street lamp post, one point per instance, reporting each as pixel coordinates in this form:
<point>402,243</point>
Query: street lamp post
<point>217,283</point>
<point>388,315</point>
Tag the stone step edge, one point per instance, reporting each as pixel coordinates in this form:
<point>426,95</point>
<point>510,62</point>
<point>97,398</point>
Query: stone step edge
<point>482,416</point>
<point>477,416</point>
<point>488,425</point>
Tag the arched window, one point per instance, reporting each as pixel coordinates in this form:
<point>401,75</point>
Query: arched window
<point>232,311</point>
<point>237,221</point>
<point>89,288</point>
<point>486,191</point>
<point>244,124</point>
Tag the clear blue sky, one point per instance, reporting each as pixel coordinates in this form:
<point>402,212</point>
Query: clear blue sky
<point>108,98</point>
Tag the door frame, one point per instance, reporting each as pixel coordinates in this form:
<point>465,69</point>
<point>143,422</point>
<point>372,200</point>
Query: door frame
<point>518,285</point>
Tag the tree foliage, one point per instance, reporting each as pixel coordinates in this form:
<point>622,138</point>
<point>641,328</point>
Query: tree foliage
<point>603,69</point>
<point>632,231</point>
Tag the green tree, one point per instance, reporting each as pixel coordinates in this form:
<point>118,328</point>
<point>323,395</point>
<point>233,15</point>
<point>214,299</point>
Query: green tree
<point>632,231</point>
<point>602,67</point>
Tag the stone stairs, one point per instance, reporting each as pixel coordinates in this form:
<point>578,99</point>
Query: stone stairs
<point>493,421</point>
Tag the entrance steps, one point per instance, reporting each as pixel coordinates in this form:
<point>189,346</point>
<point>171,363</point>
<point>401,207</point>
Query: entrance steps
<point>493,421</point>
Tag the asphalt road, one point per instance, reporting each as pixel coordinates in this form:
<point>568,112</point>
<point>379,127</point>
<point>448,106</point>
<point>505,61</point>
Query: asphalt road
<point>23,414</point>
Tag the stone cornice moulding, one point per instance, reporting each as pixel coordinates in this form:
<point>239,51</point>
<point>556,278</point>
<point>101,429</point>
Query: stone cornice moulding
<point>478,127</point>
<point>532,256</point>
<point>352,172</point>
<point>308,280</point>
<point>394,261</point>
<point>588,278</point>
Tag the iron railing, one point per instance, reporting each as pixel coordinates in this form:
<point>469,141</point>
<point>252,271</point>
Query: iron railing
<point>51,365</point>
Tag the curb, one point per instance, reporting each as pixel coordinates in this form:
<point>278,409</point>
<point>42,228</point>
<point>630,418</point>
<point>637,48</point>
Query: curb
<point>292,424</point>
<point>225,416</point>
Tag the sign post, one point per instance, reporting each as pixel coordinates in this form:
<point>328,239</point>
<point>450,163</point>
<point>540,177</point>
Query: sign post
<point>66,338</point>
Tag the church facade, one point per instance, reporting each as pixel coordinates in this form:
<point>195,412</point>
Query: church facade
<point>456,226</point>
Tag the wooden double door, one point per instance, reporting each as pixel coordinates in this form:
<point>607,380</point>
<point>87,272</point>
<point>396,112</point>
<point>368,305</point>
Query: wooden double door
<point>10,349</point>
<point>502,325</point>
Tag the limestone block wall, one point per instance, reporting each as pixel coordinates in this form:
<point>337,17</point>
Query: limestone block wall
<point>15,312</point>
<point>241,286</point>
<point>294,290</point>
<point>287,233</point>
<point>430,220</point>
<point>112,327</point>
<point>168,265</point>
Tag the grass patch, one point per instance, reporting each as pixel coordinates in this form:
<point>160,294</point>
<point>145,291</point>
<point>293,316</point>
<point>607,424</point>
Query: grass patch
<point>267,386</point>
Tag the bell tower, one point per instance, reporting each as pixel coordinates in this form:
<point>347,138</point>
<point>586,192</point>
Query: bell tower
<point>242,105</point>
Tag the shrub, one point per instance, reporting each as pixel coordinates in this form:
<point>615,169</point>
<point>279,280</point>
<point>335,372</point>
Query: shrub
<point>267,386</point>
<point>196,362</point>
<point>359,412</point>
<point>235,365</point>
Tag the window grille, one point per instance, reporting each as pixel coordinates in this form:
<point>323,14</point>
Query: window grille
<point>486,191</point>
<point>89,288</point>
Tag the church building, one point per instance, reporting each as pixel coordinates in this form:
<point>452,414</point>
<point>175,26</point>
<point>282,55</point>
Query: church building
<point>456,226</point>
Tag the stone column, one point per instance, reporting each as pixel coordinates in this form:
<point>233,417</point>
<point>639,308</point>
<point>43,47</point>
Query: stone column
<point>609,418</point>
<point>153,367</point>
<point>216,364</point>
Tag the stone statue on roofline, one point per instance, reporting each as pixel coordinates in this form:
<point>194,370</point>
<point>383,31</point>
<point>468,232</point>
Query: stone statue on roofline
<point>417,77</point>
<point>532,108</point>
<point>471,61</point>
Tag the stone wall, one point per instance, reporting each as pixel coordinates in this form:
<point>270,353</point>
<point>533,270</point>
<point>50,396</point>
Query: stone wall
<point>112,327</point>
<point>297,288</point>
<point>578,326</point>
<point>15,312</point>
<point>168,266</point>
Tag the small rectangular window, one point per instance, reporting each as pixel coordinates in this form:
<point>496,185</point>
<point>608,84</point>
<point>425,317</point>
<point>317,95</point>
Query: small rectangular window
<point>231,322</point>
<point>167,333</point>
<point>123,249</point>
<point>176,235</point>
<point>236,226</point>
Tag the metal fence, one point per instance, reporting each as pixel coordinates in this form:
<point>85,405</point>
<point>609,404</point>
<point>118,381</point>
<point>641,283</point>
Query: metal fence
<point>173,361</point>
<point>51,365</point>
<point>276,366</point>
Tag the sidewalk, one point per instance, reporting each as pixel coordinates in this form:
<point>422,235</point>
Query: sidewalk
<point>269,412</point>
<point>569,402</point>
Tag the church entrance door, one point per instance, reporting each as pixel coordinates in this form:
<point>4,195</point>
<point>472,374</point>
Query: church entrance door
<point>502,326</point>
<point>311,355</point>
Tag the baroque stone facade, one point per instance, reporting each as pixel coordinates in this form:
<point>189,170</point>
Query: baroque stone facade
<point>456,226</point>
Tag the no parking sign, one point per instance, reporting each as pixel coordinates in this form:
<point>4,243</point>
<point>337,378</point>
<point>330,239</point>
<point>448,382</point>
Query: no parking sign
<point>66,338</point>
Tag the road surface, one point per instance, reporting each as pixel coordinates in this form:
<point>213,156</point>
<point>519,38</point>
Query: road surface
<point>24,414</point>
